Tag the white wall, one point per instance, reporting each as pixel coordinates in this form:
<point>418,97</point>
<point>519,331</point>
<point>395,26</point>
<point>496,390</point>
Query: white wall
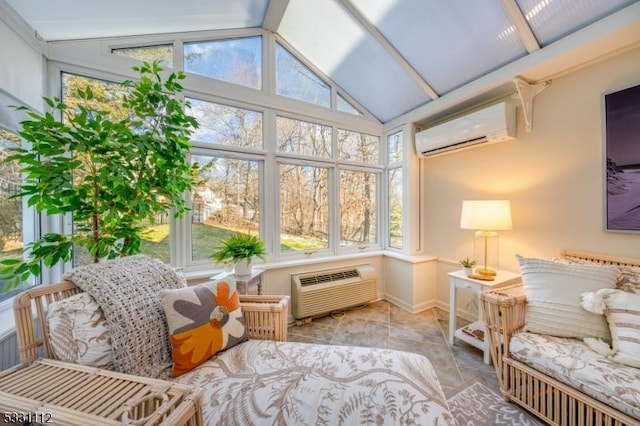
<point>554,177</point>
<point>21,68</point>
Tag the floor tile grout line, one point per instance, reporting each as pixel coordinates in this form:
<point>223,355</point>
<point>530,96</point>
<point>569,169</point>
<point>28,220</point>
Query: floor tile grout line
<point>449,345</point>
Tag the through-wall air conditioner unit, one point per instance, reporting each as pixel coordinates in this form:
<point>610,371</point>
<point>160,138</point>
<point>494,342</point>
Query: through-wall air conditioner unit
<point>317,293</point>
<point>493,124</point>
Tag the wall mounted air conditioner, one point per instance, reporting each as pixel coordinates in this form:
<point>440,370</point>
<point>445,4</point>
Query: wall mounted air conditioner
<point>493,124</point>
<point>317,293</point>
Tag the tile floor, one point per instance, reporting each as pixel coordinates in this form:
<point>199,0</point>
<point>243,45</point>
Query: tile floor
<point>382,324</point>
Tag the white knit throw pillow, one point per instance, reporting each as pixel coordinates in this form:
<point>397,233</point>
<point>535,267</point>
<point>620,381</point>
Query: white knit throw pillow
<point>622,310</point>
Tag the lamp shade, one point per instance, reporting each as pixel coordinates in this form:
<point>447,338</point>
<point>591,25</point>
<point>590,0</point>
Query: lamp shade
<point>488,215</point>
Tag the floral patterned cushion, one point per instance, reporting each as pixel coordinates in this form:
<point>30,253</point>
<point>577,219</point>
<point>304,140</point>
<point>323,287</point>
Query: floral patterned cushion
<point>79,333</point>
<point>291,383</point>
<point>203,320</point>
<point>570,361</point>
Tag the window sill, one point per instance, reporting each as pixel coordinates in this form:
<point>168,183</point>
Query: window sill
<point>290,263</point>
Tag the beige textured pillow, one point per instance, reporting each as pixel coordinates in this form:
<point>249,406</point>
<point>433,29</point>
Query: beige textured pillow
<point>553,297</point>
<point>628,276</point>
<point>79,333</point>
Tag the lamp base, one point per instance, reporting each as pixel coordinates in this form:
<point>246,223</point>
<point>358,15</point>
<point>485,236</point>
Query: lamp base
<point>486,271</point>
<point>481,277</point>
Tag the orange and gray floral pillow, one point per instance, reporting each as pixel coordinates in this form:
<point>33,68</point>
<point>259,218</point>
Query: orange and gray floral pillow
<point>203,320</point>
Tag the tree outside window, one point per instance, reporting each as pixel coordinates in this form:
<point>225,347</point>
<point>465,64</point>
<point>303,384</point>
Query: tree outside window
<point>304,208</point>
<point>358,208</point>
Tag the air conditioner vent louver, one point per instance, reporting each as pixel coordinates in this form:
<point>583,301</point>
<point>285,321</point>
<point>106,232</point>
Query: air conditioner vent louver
<point>318,293</point>
<point>323,278</point>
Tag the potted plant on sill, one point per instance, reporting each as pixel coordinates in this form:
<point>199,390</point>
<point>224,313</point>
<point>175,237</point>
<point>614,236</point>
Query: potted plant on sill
<point>240,249</point>
<point>111,167</point>
<point>467,265</point>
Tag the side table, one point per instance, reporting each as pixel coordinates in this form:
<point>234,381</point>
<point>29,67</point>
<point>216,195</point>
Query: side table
<point>246,283</point>
<point>473,333</point>
<point>54,392</point>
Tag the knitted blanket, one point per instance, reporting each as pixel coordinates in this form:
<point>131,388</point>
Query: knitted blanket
<point>127,291</point>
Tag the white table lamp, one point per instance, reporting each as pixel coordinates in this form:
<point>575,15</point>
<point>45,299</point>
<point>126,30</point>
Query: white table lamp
<point>486,217</point>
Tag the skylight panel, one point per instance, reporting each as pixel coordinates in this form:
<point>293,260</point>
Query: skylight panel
<point>550,20</point>
<point>450,42</point>
<point>350,56</point>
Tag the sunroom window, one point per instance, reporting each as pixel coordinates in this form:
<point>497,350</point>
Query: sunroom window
<point>302,137</point>
<point>237,60</point>
<point>295,80</point>
<point>358,208</point>
<point>226,125</point>
<point>108,98</point>
<point>360,147</point>
<point>162,53</point>
<point>304,208</point>
<point>12,217</point>
<point>345,106</point>
<point>225,200</point>
<point>394,188</point>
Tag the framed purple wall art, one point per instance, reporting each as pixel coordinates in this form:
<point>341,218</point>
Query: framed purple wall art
<point>622,150</point>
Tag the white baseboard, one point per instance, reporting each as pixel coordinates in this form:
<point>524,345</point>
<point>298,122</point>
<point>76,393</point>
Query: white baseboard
<point>414,309</point>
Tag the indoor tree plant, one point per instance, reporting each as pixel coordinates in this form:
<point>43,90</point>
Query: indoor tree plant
<point>111,171</point>
<point>240,249</point>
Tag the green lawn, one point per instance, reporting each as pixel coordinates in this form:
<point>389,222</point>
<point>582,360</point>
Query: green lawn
<point>206,238</point>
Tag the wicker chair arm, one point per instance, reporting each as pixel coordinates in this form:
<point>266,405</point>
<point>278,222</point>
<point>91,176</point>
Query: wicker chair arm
<point>504,315</point>
<point>266,316</point>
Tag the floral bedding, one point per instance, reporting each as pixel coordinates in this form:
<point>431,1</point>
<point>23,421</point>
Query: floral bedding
<point>262,382</point>
<point>570,361</point>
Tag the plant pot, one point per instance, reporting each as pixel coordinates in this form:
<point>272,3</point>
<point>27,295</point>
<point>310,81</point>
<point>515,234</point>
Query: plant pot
<point>468,270</point>
<point>243,267</point>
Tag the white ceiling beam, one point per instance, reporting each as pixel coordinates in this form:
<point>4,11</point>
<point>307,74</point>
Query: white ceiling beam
<point>519,22</point>
<point>275,12</point>
<point>612,34</point>
<point>377,35</point>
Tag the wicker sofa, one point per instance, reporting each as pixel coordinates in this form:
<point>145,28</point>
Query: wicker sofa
<point>558,378</point>
<point>267,380</point>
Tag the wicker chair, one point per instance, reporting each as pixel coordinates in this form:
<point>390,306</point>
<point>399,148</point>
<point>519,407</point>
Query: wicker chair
<point>265,317</point>
<point>549,399</point>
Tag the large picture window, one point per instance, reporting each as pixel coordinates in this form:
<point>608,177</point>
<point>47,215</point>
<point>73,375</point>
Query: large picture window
<point>108,98</point>
<point>320,180</point>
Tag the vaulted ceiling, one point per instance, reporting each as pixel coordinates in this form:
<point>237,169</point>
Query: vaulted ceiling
<point>397,58</point>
